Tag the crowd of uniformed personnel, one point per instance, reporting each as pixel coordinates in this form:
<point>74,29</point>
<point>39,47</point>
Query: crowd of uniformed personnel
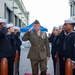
<point>9,44</point>
<point>62,40</point>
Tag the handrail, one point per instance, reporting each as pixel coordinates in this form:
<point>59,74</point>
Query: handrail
<point>57,65</point>
<point>15,63</point>
<point>57,58</point>
<point>4,67</point>
<point>16,58</point>
<point>68,67</point>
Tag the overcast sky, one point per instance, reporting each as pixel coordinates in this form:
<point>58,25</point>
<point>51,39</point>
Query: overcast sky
<point>50,13</point>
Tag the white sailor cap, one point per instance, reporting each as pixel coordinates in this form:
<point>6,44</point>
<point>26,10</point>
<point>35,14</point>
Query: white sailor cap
<point>2,20</point>
<point>56,28</point>
<point>17,28</point>
<point>70,20</point>
<point>9,25</point>
<point>61,26</point>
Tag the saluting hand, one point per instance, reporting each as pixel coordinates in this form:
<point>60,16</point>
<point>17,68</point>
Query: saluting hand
<point>31,28</point>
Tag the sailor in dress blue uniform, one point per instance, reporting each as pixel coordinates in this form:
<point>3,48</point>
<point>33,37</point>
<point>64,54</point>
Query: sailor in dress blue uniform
<point>69,43</point>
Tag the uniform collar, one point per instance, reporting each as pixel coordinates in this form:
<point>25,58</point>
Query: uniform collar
<point>71,32</point>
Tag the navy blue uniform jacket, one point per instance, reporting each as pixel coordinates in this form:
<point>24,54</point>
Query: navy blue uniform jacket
<point>53,39</point>
<point>60,43</point>
<point>5,47</point>
<point>69,46</point>
<point>18,42</point>
<point>12,40</point>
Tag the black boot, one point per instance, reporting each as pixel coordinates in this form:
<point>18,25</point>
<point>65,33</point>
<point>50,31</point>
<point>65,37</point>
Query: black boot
<point>43,72</point>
